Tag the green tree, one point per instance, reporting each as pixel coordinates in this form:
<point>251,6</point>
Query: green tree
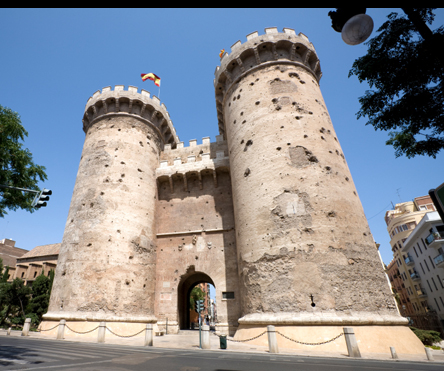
<point>427,337</point>
<point>41,291</point>
<point>196,294</point>
<point>17,168</point>
<point>14,297</point>
<point>404,67</point>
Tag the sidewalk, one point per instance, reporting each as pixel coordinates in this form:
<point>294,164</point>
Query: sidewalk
<point>189,339</point>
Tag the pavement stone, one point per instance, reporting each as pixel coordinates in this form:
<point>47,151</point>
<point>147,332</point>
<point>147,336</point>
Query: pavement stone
<point>189,339</point>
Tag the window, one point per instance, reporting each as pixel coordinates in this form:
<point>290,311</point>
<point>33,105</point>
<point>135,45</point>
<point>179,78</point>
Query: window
<point>426,265</point>
<point>423,271</point>
<point>434,284</point>
<point>431,261</point>
<point>35,274</point>
<point>23,273</point>
<point>440,281</point>
<point>419,247</point>
<point>436,302</point>
<point>228,295</point>
<point>430,287</point>
<point>440,298</point>
<point>415,251</point>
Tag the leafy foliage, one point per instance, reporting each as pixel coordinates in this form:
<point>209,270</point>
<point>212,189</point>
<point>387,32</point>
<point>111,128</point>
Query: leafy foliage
<point>17,168</point>
<point>18,302</point>
<point>196,294</point>
<point>427,337</point>
<point>14,298</point>
<point>39,303</point>
<point>406,74</point>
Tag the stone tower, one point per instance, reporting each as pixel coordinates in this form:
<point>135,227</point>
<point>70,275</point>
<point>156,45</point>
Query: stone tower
<point>305,252</point>
<point>107,264</point>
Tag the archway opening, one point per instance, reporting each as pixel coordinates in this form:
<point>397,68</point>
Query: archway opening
<point>195,286</point>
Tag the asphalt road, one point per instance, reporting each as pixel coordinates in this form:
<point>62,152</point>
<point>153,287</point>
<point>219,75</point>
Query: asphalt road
<point>41,354</point>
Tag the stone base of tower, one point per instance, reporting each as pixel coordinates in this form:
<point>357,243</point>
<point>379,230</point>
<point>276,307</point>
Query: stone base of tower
<point>371,338</point>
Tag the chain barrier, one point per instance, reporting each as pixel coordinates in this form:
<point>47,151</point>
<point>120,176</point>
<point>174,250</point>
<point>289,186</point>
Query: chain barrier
<point>242,341</point>
<point>86,332</point>
<point>124,336</point>
<point>320,343</point>
<point>52,328</point>
<point>78,332</point>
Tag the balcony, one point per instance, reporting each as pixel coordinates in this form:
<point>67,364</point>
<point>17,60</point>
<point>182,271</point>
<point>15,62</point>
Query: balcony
<point>421,293</point>
<point>439,261</point>
<point>409,260</point>
<point>435,239</point>
<point>415,276</point>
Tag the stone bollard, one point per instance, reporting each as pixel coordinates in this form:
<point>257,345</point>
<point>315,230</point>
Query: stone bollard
<point>26,327</point>
<point>9,331</point>
<point>101,333</point>
<point>206,337</point>
<point>149,335</point>
<point>272,341</point>
<point>61,330</point>
<point>394,354</point>
<point>429,354</point>
<point>352,344</point>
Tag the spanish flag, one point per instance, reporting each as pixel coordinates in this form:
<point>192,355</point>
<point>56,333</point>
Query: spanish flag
<point>221,53</point>
<point>151,76</point>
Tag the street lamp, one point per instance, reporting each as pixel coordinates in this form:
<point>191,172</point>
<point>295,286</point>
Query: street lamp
<point>354,25</point>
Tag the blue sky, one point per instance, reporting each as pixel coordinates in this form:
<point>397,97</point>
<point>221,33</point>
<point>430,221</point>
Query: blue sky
<point>53,60</point>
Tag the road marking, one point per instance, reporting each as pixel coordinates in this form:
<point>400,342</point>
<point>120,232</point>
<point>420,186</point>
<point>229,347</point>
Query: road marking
<point>13,360</point>
<point>60,366</point>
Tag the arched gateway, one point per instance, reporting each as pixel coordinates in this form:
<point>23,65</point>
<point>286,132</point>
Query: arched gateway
<point>269,212</point>
<point>187,283</point>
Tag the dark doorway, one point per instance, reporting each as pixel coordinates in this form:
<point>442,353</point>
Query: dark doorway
<point>188,282</point>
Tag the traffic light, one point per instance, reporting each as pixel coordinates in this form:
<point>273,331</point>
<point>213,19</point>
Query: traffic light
<point>41,198</point>
<point>199,306</point>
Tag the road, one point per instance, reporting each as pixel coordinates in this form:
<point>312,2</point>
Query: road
<point>40,354</point>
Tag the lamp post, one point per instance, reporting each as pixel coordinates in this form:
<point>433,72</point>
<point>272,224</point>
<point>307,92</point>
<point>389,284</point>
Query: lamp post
<point>354,25</point>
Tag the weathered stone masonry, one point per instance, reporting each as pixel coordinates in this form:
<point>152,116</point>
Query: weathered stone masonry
<point>269,211</point>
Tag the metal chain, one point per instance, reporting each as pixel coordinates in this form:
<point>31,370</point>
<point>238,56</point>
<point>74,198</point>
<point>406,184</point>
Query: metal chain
<point>78,332</point>
<point>40,330</point>
<point>242,341</point>
<point>323,342</point>
<point>124,336</point>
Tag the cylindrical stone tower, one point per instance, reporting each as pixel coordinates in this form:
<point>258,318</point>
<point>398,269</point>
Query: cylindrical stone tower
<point>106,269</point>
<point>305,252</point>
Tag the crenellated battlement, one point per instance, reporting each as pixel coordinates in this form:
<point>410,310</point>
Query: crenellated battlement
<point>261,50</point>
<point>194,152</point>
<point>120,101</point>
<point>197,159</point>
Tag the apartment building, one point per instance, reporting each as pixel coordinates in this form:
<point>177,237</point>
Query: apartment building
<point>423,256</point>
<point>401,222</point>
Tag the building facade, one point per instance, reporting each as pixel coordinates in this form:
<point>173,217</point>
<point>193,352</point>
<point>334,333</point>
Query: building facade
<point>40,260</point>
<point>9,254</point>
<point>424,259</point>
<point>268,214</point>
<point>401,222</point>
<point>400,293</point>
